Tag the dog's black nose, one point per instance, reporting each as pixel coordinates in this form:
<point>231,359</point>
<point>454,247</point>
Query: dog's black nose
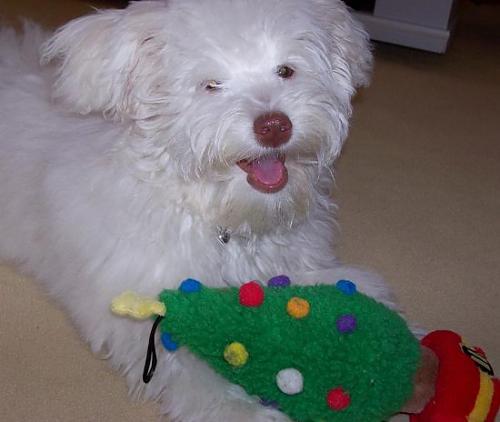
<point>273,129</point>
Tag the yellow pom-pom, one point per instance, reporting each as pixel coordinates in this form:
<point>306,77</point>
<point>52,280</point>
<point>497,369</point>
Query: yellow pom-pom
<point>297,307</point>
<point>236,354</point>
<point>135,306</point>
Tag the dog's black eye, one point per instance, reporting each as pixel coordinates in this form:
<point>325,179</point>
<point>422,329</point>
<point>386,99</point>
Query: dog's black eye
<point>285,71</point>
<point>212,85</point>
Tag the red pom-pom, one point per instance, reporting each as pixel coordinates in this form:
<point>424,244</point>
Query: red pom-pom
<point>251,294</point>
<point>338,399</point>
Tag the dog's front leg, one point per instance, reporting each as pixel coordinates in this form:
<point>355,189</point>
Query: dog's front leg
<point>186,387</point>
<point>193,392</point>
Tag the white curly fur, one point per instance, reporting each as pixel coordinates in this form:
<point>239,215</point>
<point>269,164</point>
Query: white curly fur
<point>117,167</point>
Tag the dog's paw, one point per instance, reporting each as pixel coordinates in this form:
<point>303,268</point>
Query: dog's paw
<point>271,416</point>
<point>229,411</point>
<point>246,412</point>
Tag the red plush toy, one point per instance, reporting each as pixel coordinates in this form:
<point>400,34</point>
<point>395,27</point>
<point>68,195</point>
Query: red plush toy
<point>465,388</point>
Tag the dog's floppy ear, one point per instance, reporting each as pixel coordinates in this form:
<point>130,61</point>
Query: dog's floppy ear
<point>99,56</point>
<point>358,52</point>
<point>349,40</point>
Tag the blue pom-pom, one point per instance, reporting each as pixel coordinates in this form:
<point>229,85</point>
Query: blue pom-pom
<point>347,287</point>
<point>279,281</point>
<point>168,343</point>
<point>269,403</point>
<point>190,286</point>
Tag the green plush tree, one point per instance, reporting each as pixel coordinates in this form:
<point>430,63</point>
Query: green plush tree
<point>318,353</point>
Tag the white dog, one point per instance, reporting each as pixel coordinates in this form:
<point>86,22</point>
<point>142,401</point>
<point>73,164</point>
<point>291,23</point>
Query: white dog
<point>175,139</point>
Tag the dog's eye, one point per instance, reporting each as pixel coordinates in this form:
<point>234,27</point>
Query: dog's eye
<point>212,85</point>
<point>285,71</point>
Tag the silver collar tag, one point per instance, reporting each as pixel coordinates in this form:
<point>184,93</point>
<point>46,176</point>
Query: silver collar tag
<point>223,235</point>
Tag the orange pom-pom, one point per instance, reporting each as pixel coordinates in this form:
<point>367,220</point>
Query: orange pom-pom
<point>297,307</point>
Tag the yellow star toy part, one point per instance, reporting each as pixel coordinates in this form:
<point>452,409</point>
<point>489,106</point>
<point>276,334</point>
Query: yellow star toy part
<point>138,307</point>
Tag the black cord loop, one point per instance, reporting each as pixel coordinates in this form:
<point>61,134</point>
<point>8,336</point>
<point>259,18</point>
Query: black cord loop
<point>151,360</point>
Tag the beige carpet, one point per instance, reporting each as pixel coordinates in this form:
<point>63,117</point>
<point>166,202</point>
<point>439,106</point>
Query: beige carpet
<point>419,194</point>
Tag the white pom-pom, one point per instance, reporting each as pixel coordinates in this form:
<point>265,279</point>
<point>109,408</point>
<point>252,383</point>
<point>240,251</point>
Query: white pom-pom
<point>290,381</point>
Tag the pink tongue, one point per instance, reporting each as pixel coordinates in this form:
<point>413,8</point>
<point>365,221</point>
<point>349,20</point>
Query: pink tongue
<point>267,170</point>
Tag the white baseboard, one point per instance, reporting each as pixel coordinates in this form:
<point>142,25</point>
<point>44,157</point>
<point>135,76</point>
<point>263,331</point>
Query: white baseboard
<point>406,34</point>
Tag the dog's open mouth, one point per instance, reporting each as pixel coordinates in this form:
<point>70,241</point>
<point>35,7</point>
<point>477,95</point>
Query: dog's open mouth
<point>267,174</point>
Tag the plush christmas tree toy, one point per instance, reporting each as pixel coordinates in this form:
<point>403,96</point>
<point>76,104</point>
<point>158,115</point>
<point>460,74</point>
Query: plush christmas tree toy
<point>318,353</point>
